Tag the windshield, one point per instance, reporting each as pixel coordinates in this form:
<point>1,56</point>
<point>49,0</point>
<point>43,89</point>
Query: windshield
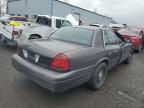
<point>74,35</point>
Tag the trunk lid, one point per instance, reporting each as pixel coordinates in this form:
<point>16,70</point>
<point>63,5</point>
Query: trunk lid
<point>45,50</point>
<point>50,48</point>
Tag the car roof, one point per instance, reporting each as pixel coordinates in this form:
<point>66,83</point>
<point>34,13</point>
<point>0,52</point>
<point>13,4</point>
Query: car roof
<point>17,17</point>
<point>55,17</point>
<point>91,27</point>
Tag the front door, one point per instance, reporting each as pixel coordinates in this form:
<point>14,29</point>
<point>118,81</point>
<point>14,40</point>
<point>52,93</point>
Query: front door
<point>112,48</point>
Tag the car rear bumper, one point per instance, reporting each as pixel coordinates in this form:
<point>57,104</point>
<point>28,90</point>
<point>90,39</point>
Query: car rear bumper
<point>51,80</point>
<point>7,41</point>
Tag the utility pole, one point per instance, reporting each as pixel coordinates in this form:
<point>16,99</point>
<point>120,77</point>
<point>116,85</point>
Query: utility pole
<point>0,6</point>
<point>26,6</point>
<point>52,3</point>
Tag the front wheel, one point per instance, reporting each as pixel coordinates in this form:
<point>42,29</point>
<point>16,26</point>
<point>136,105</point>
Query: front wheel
<point>99,77</point>
<point>139,49</point>
<point>129,58</point>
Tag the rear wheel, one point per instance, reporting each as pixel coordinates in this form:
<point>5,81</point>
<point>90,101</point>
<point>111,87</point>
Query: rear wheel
<point>139,49</point>
<point>99,77</point>
<point>129,59</point>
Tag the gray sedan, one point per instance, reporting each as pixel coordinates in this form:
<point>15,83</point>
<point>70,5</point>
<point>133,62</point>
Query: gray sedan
<point>71,57</point>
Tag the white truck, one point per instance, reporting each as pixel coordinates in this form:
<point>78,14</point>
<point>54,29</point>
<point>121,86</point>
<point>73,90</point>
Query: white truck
<point>44,25</point>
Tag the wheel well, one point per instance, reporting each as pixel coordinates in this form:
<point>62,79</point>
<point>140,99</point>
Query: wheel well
<point>106,62</point>
<point>35,35</point>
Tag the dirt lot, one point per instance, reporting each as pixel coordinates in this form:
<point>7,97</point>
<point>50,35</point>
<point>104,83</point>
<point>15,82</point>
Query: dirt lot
<point>124,88</point>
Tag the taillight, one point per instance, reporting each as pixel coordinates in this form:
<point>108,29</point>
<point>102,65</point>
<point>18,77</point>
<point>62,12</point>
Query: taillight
<point>60,62</point>
<point>16,33</point>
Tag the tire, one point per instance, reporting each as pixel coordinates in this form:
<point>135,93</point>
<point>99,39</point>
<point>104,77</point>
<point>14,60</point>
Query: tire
<point>34,37</point>
<point>139,49</point>
<point>129,59</point>
<point>99,77</point>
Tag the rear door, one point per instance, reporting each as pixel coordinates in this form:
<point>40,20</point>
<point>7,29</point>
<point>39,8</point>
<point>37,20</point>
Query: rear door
<point>66,23</point>
<point>125,48</point>
<point>112,48</point>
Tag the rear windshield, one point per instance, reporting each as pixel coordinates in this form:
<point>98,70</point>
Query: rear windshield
<point>43,20</point>
<point>75,35</point>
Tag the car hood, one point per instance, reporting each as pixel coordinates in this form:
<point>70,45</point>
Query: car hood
<point>50,48</point>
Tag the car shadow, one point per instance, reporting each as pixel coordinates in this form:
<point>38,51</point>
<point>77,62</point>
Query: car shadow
<point>36,94</point>
<point>7,47</point>
<point>83,89</point>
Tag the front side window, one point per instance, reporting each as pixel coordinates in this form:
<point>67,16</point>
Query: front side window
<point>66,23</point>
<point>75,35</point>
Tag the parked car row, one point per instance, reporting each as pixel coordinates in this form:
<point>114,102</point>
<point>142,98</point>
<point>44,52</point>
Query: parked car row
<point>136,37</point>
<point>59,56</point>
<point>72,56</point>
<point>133,38</point>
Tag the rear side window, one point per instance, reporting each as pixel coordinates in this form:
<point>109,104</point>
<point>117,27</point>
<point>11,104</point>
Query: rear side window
<point>75,35</point>
<point>44,21</point>
<point>105,37</point>
<point>58,23</point>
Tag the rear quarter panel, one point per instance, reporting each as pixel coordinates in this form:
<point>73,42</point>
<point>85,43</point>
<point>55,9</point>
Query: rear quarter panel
<point>86,57</point>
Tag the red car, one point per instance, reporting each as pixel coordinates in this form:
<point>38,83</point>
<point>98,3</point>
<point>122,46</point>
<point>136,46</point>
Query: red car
<point>140,32</point>
<point>135,39</point>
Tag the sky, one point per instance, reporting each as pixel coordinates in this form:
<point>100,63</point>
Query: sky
<point>123,11</point>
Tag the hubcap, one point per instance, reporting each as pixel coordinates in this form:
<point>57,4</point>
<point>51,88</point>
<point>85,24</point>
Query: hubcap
<point>140,48</point>
<point>101,75</point>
